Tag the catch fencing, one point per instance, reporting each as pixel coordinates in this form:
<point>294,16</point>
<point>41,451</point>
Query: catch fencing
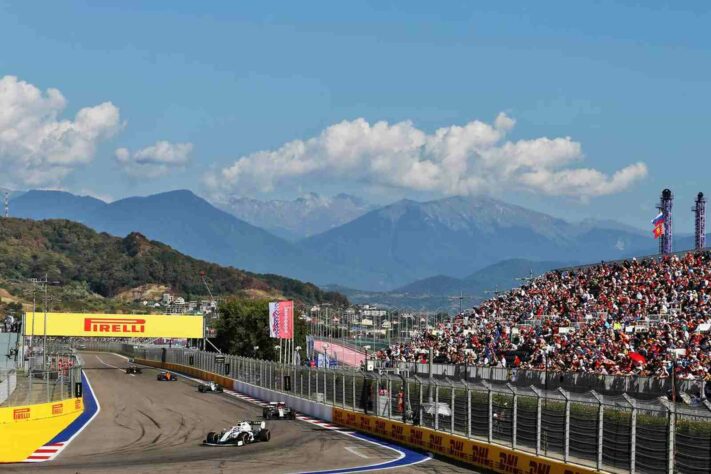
<point>610,433</point>
<point>30,387</point>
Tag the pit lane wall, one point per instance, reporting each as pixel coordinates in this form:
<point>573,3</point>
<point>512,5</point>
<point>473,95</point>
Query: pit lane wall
<point>481,455</point>
<point>307,407</point>
<point>23,429</point>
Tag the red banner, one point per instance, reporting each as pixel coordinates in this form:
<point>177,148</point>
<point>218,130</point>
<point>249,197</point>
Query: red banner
<point>281,319</point>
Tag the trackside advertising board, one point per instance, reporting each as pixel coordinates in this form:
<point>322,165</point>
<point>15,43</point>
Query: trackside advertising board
<point>479,454</point>
<point>114,325</point>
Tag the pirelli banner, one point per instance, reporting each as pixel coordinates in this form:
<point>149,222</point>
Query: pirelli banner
<point>115,325</point>
<point>482,455</point>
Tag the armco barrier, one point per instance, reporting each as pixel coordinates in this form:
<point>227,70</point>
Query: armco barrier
<point>481,455</point>
<point>25,428</point>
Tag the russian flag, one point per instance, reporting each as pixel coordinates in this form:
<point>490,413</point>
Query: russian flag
<point>658,220</point>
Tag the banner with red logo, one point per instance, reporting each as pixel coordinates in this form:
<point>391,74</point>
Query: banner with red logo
<point>281,319</point>
<point>114,325</point>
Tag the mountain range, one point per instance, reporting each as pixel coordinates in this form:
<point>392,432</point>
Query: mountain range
<point>92,269</point>
<point>443,293</point>
<point>303,217</point>
<point>382,250</point>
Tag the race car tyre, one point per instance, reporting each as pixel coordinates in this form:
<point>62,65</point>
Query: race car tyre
<point>201,389</point>
<point>265,435</point>
<point>218,389</point>
<point>243,437</point>
<point>292,415</point>
<point>212,437</point>
<point>266,415</point>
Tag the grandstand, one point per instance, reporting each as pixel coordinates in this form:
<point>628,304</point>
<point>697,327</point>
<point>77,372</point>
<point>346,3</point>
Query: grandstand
<point>646,317</point>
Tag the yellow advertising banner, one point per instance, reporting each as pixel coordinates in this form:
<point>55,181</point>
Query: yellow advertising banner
<point>114,325</point>
<point>480,454</point>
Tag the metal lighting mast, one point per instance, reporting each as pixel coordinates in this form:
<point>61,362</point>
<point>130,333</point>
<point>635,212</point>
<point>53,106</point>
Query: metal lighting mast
<point>204,322</point>
<point>700,214</point>
<point>665,206</point>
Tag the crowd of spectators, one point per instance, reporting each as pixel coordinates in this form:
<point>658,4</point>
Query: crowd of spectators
<point>648,317</point>
<point>10,324</point>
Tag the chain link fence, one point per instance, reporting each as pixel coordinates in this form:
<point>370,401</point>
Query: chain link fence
<point>613,433</point>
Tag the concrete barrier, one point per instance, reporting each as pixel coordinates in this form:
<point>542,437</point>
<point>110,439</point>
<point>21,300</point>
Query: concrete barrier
<point>481,455</point>
<point>23,429</point>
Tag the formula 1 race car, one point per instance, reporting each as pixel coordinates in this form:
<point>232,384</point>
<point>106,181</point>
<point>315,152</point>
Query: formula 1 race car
<point>278,411</point>
<point>164,375</point>
<point>132,369</point>
<point>209,387</point>
<point>242,433</point>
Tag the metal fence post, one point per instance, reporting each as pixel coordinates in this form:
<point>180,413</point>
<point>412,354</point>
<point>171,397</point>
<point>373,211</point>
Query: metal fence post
<point>317,377</point>
<point>343,392</point>
<point>672,437</point>
<point>633,433</point>
<point>335,376</point>
<point>451,418</point>
<point>600,418</point>
<point>469,411</point>
<point>421,414</point>
<point>514,423</point>
<point>539,408</point>
<point>490,400</point>
<point>436,407</point>
<point>566,444</point>
<point>390,397</point>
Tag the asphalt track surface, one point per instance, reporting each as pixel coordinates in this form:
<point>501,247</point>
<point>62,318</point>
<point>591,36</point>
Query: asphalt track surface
<point>150,426</point>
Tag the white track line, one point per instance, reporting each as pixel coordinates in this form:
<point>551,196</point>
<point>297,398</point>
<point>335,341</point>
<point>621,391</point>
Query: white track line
<point>354,450</point>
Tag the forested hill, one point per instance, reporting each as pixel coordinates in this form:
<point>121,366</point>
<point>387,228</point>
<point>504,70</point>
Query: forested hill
<point>71,253</point>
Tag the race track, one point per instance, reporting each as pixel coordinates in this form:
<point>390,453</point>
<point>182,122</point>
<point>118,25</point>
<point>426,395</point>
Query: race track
<point>150,426</point>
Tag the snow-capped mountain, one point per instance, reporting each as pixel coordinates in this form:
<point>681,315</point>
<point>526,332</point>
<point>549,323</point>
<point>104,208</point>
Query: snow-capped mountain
<point>308,215</point>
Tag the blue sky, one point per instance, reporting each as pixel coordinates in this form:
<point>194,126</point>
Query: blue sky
<point>626,81</point>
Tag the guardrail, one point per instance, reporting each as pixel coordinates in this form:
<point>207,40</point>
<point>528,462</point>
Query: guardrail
<point>609,433</point>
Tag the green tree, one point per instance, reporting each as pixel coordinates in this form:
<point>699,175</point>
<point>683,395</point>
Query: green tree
<point>242,325</point>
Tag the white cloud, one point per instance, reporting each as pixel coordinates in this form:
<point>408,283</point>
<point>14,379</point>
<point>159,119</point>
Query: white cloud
<point>455,160</point>
<point>156,160</point>
<point>37,147</point>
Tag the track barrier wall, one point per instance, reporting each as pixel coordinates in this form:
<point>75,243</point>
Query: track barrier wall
<point>23,429</point>
<point>554,427</point>
<point>481,455</point>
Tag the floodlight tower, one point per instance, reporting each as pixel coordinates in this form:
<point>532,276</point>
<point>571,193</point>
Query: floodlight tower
<point>700,214</point>
<point>665,206</point>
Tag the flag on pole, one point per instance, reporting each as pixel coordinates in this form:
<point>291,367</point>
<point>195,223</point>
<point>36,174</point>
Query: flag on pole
<point>658,220</point>
<point>658,231</point>
<point>281,319</point>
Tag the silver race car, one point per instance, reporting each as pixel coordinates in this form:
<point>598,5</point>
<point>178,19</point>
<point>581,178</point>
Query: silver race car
<point>242,433</point>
